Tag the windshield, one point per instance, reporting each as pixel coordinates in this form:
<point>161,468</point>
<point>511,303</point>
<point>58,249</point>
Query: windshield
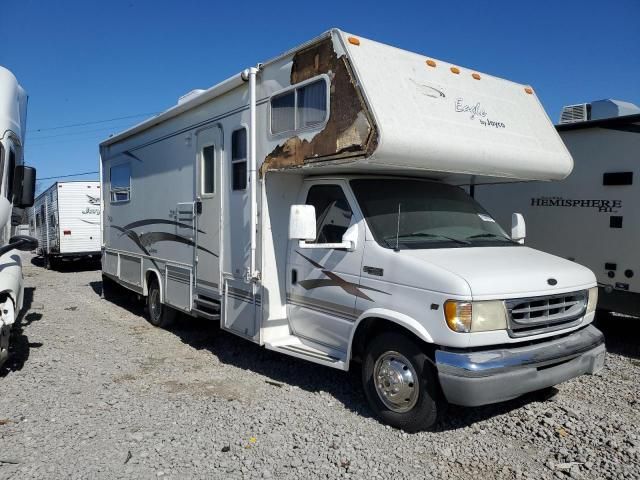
<point>416,214</point>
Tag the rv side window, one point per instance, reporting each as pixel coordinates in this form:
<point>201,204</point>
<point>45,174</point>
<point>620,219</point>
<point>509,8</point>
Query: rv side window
<point>208,169</point>
<point>239,159</point>
<point>37,220</point>
<point>299,108</point>
<point>53,220</point>
<point>120,183</point>
<point>333,212</point>
<point>10,172</point>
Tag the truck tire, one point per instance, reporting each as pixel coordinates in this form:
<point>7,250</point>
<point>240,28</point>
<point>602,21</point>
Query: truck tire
<point>400,382</point>
<point>159,314</point>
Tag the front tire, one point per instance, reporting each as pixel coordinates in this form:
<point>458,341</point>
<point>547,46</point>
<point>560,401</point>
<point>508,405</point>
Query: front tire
<point>159,315</point>
<point>400,382</point>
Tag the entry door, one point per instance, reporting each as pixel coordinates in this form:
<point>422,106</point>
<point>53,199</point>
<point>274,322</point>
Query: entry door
<point>209,194</point>
<point>324,283</point>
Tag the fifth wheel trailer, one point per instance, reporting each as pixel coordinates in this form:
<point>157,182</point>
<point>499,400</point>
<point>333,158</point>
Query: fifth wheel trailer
<point>313,204</point>
<point>17,185</point>
<point>65,219</point>
<point>592,217</point>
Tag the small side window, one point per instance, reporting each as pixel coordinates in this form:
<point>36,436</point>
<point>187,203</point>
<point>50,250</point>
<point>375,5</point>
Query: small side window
<point>239,159</point>
<point>1,165</point>
<point>333,212</point>
<point>38,223</point>
<point>120,178</point>
<point>53,220</point>
<point>208,169</point>
<point>299,108</point>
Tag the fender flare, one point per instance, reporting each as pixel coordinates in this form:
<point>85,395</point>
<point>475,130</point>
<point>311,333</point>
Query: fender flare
<point>145,288</point>
<point>400,319</point>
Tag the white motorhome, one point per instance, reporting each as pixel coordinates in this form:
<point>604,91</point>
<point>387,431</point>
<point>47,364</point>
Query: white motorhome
<point>313,205</point>
<point>65,219</point>
<point>17,184</point>
<point>591,217</point>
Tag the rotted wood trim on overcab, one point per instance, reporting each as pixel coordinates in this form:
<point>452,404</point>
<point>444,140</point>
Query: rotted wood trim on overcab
<point>350,130</point>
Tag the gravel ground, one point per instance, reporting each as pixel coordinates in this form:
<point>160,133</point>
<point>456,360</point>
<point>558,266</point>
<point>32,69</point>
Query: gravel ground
<point>93,391</point>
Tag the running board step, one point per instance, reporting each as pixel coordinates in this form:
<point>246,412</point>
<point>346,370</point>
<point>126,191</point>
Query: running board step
<point>206,315</point>
<point>296,348</point>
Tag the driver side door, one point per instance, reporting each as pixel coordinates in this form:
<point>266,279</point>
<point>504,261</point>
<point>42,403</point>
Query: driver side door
<point>323,283</point>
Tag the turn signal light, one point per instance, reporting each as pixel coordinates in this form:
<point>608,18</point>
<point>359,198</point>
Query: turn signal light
<point>455,70</point>
<point>431,63</point>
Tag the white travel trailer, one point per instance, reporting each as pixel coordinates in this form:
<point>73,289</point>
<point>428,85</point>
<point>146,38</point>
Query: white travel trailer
<point>17,185</point>
<point>65,219</point>
<point>311,204</point>
<point>592,216</point>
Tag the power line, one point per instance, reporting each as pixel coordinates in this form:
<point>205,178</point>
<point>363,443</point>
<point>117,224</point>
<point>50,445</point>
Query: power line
<point>66,176</point>
<point>58,127</point>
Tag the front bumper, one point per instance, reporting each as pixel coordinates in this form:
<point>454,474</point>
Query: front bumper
<point>490,376</point>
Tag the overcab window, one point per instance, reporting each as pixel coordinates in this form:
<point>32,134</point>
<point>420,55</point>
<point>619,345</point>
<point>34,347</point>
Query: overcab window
<point>299,108</point>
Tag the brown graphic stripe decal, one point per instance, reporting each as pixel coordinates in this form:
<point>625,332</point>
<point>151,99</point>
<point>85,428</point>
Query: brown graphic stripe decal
<point>335,280</point>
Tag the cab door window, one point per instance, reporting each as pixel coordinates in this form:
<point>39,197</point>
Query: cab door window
<point>333,212</point>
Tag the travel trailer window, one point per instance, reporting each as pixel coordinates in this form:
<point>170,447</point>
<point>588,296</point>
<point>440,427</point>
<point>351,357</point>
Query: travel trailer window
<point>120,183</point>
<point>422,214</point>
<point>38,223</point>
<point>333,212</point>
<point>1,164</point>
<point>208,169</point>
<point>52,219</point>
<point>300,107</point>
<point>239,159</point>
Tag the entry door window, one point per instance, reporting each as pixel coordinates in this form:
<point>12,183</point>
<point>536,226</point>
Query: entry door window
<point>333,212</point>
<point>208,170</point>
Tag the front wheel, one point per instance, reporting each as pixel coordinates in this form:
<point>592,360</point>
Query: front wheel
<point>159,314</point>
<point>400,383</point>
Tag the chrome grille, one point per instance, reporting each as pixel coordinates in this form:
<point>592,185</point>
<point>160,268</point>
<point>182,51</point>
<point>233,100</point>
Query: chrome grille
<point>530,316</point>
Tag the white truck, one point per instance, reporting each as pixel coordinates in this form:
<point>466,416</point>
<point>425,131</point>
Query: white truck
<point>65,219</point>
<point>17,187</point>
<point>591,217</point>
<point>313,204</point>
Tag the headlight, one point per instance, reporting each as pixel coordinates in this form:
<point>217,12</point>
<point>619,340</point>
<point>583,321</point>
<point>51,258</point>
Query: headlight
<point>592,302</point>
<point>467,317</point>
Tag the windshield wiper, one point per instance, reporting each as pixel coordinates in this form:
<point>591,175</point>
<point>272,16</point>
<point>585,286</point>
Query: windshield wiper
<point>489,235</point>
<point>431,235</point>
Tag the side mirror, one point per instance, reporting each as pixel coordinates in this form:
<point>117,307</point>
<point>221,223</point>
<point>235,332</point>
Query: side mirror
<point>518,228</point>
<point>302,223</point>
<point>24,186</point>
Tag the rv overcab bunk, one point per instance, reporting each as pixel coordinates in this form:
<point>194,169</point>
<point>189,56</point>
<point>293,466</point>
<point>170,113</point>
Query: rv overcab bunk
<point>17,187</point>
<point>314,205</point>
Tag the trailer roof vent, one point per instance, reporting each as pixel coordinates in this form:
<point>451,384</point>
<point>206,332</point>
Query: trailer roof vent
<point>597,110</point>
<point>575,113</point>
<point>188,96</point>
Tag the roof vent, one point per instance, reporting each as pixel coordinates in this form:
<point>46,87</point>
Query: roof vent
<point>575,113</point>
<point>188,96</point>
<point>597,110</point>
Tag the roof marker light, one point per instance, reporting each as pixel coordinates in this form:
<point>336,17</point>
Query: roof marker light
<point>455,70</point>
<point>476,76</point>
<point>431,63</point>
<point>529,90</point>
<point>354,41</point>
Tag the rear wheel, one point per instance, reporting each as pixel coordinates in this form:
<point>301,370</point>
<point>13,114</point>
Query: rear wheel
<point>400,383</point>
<point>158,314</point>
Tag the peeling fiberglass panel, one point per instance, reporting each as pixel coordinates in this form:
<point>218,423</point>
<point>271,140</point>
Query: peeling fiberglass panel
<point>349,130</point>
